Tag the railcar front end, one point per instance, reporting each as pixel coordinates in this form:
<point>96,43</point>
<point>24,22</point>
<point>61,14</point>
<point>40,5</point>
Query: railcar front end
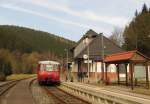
<point>48,72</point>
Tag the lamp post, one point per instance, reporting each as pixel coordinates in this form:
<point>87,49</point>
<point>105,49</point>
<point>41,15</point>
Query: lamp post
<point>86,42</point>
<point>67,62</point>
<point>102,54</point>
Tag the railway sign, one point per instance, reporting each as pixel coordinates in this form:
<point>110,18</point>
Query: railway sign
<point>86,61</point>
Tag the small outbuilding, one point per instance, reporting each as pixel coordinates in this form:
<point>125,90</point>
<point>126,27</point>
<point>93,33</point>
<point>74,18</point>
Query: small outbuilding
<point>136,66</point>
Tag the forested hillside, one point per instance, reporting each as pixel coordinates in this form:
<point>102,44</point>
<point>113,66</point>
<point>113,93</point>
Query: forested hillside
<point>27,40</point>
<point>137,33</point>
<point>21,48</point>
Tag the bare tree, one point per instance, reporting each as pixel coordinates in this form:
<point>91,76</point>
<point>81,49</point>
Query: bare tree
<point>117,36</point>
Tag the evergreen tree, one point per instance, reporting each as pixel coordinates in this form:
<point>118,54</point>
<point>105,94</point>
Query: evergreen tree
<point>144,9</point>
<point>27,40</point>
<point>137,34</point>
<point>136,13</point>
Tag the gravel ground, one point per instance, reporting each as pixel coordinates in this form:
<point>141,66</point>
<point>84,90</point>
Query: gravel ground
<point>40,96</point>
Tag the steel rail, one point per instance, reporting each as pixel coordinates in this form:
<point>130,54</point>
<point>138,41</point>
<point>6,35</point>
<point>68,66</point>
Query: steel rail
<point>63,97</point>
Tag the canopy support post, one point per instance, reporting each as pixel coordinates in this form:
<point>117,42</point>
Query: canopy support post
<point>131,69</point>
<point>147,78</point>
<point>126,74</point>
<point>118,73</point>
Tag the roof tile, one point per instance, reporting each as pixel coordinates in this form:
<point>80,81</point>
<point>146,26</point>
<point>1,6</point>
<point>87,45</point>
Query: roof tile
<point>120,56</point>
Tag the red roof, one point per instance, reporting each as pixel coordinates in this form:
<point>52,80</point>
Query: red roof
<point>120,56</point>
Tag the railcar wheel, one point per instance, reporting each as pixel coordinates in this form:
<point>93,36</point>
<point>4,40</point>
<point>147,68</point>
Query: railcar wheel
<point>40,83</point>
<point>58,83</point>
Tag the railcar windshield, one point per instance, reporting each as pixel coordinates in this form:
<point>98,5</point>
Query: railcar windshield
<point>49,67</point>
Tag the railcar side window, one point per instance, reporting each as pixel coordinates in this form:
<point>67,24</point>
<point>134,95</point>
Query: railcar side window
<point>41,67</point>
<point>49,67</point>
<point>56,67</point>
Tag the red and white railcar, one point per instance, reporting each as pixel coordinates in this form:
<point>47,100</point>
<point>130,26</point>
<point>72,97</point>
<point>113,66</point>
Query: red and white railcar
<point>48,72</point>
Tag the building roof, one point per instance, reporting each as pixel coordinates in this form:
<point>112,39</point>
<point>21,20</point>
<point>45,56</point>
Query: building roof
<point>90,33</point>
<point>95,46</point>
<point>123,56</point>
<point>49,62</point>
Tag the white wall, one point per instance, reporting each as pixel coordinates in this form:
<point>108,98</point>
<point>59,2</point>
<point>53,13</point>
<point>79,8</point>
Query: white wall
<point>74,67</point>
<point>99,66</point>
<point>149,71</point>
<point>95,67</point>
<point>112,68</point>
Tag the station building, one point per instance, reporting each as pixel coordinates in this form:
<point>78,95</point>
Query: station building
<point>107,61</point>
<point>98,46</point>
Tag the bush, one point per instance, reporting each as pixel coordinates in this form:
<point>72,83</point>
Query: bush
<point>2,76</point>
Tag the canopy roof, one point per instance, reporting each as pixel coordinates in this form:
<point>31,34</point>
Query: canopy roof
<point>126,56</point>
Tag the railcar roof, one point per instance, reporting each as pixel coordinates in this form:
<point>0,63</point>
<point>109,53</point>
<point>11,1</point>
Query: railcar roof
<point>48,62</point>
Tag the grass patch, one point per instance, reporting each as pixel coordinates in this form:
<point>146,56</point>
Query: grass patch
<point>141,91</point>
<point>19,76</point>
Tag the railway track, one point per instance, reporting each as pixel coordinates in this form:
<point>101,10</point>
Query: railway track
<point>8,85</point>
<point>5,87</point>
<point>16,92</point>
<point>61,97</point>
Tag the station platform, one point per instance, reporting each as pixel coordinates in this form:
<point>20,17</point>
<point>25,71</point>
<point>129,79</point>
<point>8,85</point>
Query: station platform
<point>118,92</point>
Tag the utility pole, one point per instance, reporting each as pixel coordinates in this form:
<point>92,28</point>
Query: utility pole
<point>86,42</point>
<point>102,54</point>
<point>96,72</point>
<point>67,62</point>
<point>88,63</point>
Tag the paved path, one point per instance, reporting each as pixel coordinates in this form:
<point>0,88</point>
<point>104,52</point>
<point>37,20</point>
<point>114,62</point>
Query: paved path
<point>19,94</point>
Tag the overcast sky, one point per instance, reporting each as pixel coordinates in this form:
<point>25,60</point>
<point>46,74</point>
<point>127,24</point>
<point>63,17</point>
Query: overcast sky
<point>69,18</point>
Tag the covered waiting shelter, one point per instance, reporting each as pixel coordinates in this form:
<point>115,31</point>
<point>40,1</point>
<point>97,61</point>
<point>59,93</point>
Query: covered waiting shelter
<point>131,58</point>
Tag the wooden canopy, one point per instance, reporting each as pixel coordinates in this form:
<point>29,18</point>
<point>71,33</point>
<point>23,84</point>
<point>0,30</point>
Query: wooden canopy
<point>128,57</point>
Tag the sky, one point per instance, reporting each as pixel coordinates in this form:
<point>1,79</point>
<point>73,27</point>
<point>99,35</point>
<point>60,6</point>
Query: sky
<point>70,18</point>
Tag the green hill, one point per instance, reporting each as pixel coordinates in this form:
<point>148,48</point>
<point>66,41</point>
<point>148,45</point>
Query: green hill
<point>28,40</point>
